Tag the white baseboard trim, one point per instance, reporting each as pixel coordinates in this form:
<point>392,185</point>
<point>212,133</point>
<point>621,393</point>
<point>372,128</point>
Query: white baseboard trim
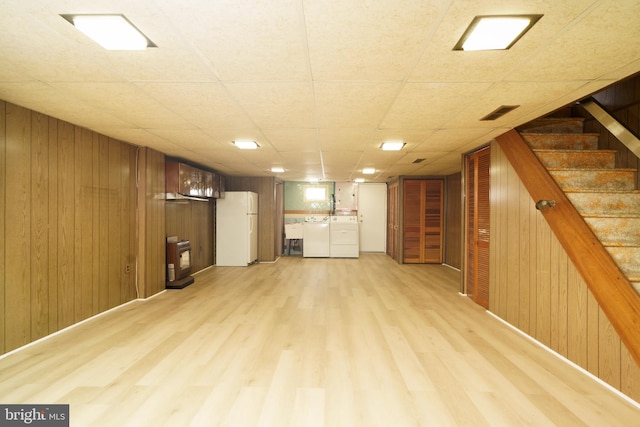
<point>567,361</point>
<point>53,334</point>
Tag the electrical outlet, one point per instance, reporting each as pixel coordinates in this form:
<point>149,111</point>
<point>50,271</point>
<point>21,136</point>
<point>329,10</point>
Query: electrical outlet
<point>127,269</point>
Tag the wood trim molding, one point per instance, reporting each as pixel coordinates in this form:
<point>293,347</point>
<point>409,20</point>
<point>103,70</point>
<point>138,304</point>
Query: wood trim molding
<point>612,290</point>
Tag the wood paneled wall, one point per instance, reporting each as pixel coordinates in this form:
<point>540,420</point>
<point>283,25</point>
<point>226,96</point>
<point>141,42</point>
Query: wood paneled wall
<point>193,220</point>
<point>453,221</point>
<point>68,224</point>
<point>151,219</point>
<point>270,210</point>
<point>536,288</point>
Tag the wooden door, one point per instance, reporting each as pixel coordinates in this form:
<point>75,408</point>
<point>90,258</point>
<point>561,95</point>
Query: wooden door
<point>477,186</point>
<point>392,220</point>
<point>422,221</point>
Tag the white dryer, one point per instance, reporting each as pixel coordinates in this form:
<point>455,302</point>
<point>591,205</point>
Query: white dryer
<point>345,236</point>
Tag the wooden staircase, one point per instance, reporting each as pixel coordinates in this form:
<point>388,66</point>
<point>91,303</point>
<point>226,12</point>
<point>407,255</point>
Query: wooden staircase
<point>605,196</point>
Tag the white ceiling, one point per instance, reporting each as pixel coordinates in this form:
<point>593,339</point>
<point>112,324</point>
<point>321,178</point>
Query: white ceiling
<point>319,84</point>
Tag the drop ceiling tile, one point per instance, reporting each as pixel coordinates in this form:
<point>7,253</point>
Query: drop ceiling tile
<point>222,157</point>
<point>204,104</point>
<point>430,105</point>
<point>125,101</point>
<point>381,159</point>
<point>626,70</point>
<point>447,139</point>
<point>428,156</point>
<point>444,165</point>
<point>292,139</point>
<point>528,95</point>
<point>301,158</point>
<point>353,139</point>
<point>46,99</point>
<point>273,105</point>
<point>246,40</point>
<point>394,171</point>
<point>141,137</point>
<point>598,55</point>
<point>346,159</point>
<point>160,64</point>
<point>353,105</point>
<point>187,138</point>
<point>11,72</point>
<point>368,40</point>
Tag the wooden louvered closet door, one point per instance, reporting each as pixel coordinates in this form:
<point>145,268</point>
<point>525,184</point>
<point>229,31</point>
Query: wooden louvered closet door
<point>477,217</point>
<point>392,220</point>
<point>422,222</point>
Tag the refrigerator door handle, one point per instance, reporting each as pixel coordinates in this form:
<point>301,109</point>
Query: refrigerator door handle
<point>251,203</point>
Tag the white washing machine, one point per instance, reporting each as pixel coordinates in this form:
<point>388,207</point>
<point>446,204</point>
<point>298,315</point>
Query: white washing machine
<point>316,236</point>
<point>345,237</point>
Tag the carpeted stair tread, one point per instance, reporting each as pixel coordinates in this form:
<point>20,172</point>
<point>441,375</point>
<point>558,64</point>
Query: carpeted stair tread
<point>592,159</point>
<point>604,179</point>
<point>627,258</point>
<point>615,231</point>
<point>562,141</point>
<point>611,203</point>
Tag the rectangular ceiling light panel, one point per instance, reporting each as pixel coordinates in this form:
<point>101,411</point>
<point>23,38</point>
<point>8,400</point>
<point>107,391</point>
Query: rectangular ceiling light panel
<point>112,32</point>
<point>495,32</point>
<point>246,145</point>
<point>392,145</point>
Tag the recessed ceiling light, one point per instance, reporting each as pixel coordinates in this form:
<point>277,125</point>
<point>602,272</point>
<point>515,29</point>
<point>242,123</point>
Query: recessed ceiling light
<point>368,171</point>
<point>277,169</point>
<point>495,32</point>
<point>359,180</point>
<point>392,145</point>
<point>246,145</point>
<point>112,32</point>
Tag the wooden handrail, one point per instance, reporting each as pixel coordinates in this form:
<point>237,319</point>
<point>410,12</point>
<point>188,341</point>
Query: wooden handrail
<point>610,287</point>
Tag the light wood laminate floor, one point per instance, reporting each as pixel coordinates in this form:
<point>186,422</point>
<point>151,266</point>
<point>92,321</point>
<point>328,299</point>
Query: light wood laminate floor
<point>308,342</point>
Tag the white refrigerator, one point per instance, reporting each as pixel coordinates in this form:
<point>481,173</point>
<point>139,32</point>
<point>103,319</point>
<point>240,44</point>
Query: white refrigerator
<point>237,229</point>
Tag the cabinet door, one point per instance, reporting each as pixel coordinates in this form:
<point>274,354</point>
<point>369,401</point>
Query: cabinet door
<point>221,186</point>
<point>208,184</point>
<point>422,223</point>
<point>185,179</point>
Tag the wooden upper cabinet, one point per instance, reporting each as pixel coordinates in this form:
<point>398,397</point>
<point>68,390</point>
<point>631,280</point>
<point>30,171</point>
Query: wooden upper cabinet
<point>190,181</point>
<point>423,204</point>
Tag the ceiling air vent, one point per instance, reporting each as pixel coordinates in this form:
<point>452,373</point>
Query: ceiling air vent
<point>501,111</point>
<point>418,161</point>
